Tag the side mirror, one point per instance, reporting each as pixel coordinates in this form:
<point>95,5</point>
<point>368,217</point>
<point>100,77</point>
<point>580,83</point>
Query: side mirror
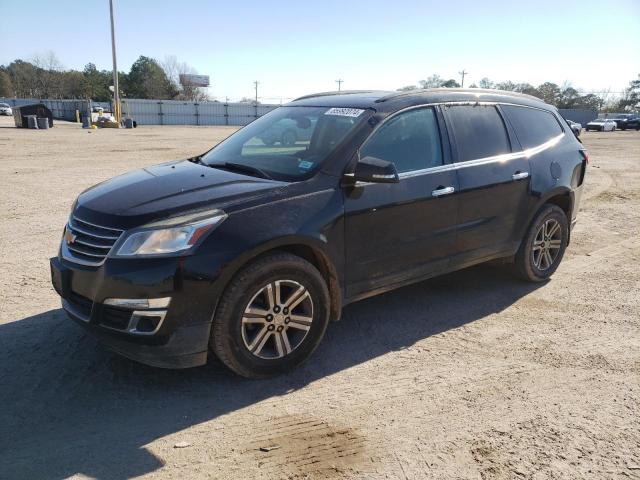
<point>372,169</point>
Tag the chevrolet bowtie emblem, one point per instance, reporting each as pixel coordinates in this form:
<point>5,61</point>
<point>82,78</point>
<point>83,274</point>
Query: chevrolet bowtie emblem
<point>69,236</point>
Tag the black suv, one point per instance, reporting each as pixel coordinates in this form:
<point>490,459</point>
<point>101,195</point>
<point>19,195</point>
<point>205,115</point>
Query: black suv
<point>627,121</point>
<point>250,249</point>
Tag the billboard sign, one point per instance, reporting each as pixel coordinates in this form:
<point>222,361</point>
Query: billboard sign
<point>188,80</point>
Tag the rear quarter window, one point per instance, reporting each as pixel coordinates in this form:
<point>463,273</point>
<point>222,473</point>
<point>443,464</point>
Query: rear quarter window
<point>533,127</point>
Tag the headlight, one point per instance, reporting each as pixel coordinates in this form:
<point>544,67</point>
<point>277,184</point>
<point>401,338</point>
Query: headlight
<point>158,241</point>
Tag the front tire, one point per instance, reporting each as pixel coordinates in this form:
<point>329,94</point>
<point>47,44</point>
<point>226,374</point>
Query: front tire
<point>543,246</point>
<point>271,317</point>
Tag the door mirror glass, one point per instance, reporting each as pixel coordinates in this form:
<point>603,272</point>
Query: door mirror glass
<point>372,169</point>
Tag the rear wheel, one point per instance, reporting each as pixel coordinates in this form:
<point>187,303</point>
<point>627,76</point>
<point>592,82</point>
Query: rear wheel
<point>543,246</point>
<point>271,317</point>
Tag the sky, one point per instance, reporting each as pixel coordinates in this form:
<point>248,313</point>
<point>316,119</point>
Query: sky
<point>298,47</point>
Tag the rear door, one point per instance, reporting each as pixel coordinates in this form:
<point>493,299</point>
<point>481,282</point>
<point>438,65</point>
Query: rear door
<point>494,182</point>
<point>401,231</point>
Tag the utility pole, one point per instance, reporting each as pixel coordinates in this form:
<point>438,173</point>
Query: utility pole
<point>339,82</point>
<point>462,73</point>
<point>256,86</point>
<point>116,91</point>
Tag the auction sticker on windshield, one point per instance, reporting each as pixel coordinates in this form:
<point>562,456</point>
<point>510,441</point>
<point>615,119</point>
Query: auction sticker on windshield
<point>344,112</point>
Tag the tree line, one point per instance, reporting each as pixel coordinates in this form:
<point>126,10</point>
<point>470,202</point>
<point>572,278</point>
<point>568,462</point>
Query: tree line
<point>44,77</point>
<point>562,96</point>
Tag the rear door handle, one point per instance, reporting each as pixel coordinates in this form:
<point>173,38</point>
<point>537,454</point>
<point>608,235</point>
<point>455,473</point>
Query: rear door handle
<point>440,191</point>
<point>520,175</point>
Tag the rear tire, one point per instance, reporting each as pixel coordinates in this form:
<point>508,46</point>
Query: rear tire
<point>253,331</point>
<point>543,246</point>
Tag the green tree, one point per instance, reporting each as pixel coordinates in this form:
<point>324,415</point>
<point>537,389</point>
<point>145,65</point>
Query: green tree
<point>631,98</point>
<point>408,88</point>
<point>147,79</point>
<point>486,83</point>
<point>549,92</point>
<point>451,83</point>
<point>96,83</point>
<point>6,87</point>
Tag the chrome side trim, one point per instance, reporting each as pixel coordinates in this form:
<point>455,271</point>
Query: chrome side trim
<point>505,157</point>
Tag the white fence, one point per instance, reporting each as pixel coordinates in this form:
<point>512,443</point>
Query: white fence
<point>174,112</point>
<point>158,112</point>
<point>60,109</point>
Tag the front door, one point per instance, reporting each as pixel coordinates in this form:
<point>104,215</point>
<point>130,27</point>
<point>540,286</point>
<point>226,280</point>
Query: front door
<point>402,231</point>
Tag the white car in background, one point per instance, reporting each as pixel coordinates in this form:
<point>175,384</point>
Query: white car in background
<point>575,127</point>
<point>5,109</point>
<point>601,125</point>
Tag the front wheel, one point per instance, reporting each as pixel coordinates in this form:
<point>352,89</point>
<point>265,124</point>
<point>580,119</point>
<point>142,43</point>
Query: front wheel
<point>271,317</point>
<point>543,246</point>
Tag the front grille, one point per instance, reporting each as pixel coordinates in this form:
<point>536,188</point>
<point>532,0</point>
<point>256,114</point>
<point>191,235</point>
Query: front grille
<point>89,243</point>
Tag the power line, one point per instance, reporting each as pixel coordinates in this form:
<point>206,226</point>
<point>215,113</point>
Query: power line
<point>339,82</point>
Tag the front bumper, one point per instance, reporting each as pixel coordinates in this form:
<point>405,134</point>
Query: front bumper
<point>173,337</point>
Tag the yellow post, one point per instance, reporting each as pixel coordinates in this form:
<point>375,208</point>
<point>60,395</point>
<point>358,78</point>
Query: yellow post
<point>77,116</point>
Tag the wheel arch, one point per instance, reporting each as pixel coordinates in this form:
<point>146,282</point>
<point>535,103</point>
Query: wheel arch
<point>563,197</point>
<point>310,249</point>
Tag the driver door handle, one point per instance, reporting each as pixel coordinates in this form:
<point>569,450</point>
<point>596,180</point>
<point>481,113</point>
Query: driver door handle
<point>520,175</point>
<point>440,191</point>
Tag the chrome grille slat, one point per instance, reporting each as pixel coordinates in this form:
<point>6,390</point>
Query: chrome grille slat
<point>76,219</point>
<point>89,243</point>
<point>75,249</point>
<point>88,234</point>
<point>93,245</point>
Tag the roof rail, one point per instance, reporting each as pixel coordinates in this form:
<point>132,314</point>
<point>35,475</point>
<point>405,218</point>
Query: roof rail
<point>335,92</point>
<point>458,90</point>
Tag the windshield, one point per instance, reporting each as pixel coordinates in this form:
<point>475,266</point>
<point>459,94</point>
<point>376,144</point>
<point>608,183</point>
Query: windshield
<point>4,105</point>
<point>287,143</point>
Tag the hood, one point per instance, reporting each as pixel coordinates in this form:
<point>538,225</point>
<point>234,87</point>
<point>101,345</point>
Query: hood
<point>152,193</point>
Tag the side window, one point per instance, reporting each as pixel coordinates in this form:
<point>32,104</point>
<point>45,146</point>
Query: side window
<point>410,140</point>
<point>479,131</point>
<point>533,127</point>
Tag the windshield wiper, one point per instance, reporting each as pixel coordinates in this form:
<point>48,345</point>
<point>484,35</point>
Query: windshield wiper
<point>240,167</point>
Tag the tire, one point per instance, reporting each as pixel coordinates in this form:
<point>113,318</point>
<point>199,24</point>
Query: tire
<point>251,344</point>
<point>288,138</point>
<point>528,264</point>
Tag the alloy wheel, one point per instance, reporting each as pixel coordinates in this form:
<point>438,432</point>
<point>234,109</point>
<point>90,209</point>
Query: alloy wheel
<point>546,244</point>
<point>277,319</point>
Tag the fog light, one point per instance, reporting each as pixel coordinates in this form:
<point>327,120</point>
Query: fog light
<point>138,303</point>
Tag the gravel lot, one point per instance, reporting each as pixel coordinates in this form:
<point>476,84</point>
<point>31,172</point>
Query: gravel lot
<point>472,375</point>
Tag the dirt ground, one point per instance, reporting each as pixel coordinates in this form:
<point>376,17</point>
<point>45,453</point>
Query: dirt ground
<point>470,376</point>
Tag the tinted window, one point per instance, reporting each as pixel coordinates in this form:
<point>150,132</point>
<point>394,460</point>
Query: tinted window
<point>533,127</point>
<point>479,131</point>
<point>410,140</point>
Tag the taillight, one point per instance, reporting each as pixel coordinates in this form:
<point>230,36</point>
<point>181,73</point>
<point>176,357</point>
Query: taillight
<point>585,156</point>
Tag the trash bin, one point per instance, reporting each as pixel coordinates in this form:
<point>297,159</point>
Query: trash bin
<point>43,123</point>
<point>37,110</point>
<point>32,121</point>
